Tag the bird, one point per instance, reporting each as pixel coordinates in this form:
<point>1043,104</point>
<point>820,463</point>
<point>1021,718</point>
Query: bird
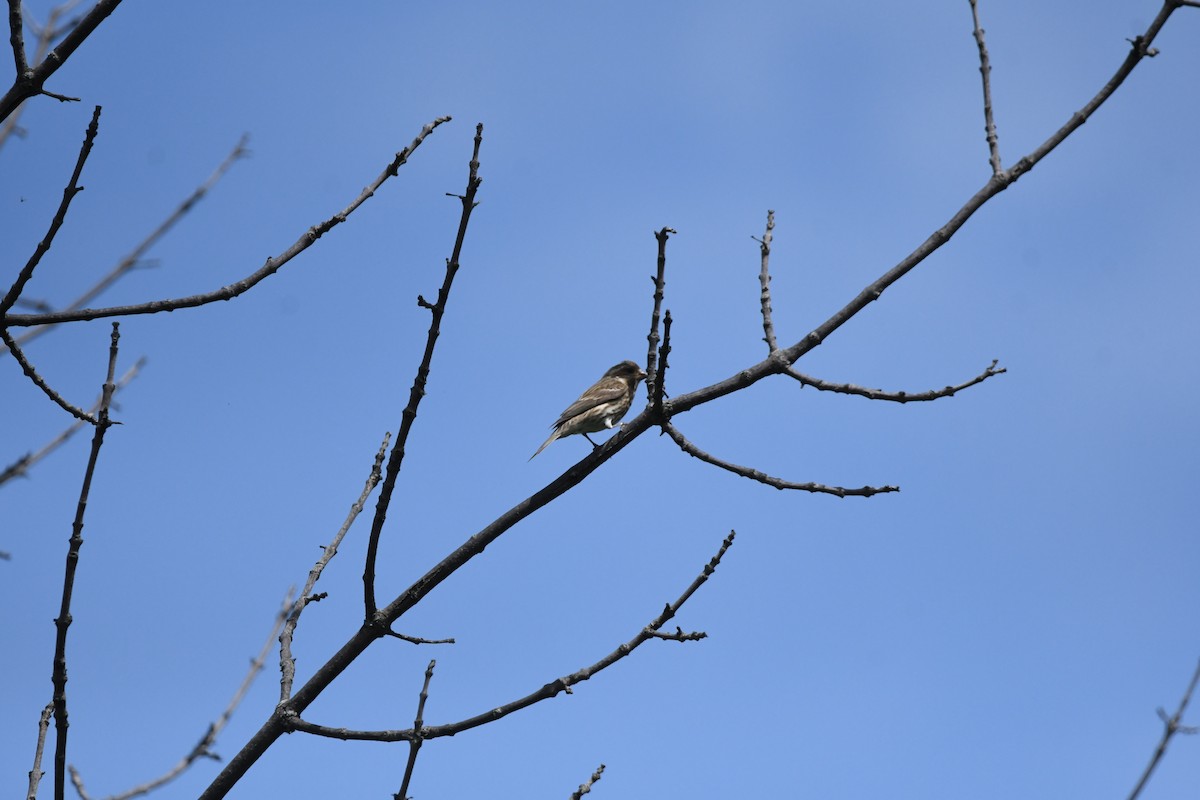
<point>600,407</point>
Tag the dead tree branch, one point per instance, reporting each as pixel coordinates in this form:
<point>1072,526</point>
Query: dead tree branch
<point>896,397</point>
<point>414,744</point>
<point>287,663</point>
<point>552,689</point>
<point>63,621</point>
<point>762,477</point>
<point>764,280</point>
<point>73,188</point>
<point>985,70</point>
<point>40,382</point>
<point>659,284</point>
<point>36,773</point>
<point>409,415</point>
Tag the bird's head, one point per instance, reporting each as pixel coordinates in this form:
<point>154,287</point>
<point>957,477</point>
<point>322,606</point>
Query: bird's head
<point>627,371</point>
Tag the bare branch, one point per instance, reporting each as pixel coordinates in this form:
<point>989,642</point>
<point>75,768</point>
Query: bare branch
<point>415,743</point>
<point>287,664</point>
<point>764,280</point>
<point>16,37</point>
<point>130,261</point>
<point>895,397</point>
<point>660,386</point>
<point>73,188</point>
<point>240,287</point>
<point>40,382</point>
<point>417,639</point>
<point>62,98</point>
<point>762,477</point>
<point>46,34</point>
<point>584,788</point>
<point>552,689</point>
<point>63,621</point>
<point>680,636</point>
<point>36,773</point>
<point>660,283</point>
<point>1171,727</point>
<point>778,362</point>
<point>31,81</point>
<point>409,415</point>
<point>985,69</point>
<point>21,466</point>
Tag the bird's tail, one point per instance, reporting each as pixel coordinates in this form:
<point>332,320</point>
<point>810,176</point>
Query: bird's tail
<point>545,444</point>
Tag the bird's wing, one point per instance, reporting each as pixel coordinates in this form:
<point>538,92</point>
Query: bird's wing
<point>604,391</point>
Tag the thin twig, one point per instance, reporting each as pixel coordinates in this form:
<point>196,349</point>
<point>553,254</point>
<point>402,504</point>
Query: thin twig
<point>287,663</point>
<point>237,288</point>
<point>36,773</point>
<point>134,257</point>
<point>30,83</point>
<point>63,621</point>
<point>985,69</point>
<point>764,281</point>
<point>660,283</point>
<point>409,415</point>
<point>895,397</point>
<point>417,639</point>
<point>414,744</point>
<point>762,477</point>
<point>680,636</point>
<point>21,466</point>
<point>584,788</point>
<point>660,386</point>
<point>40,382</point>
<point>1171,727</point>
<point>546,692</point>
<point>73,188</point>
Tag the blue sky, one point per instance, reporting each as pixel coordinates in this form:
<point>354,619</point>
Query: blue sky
<point>1004,626</point>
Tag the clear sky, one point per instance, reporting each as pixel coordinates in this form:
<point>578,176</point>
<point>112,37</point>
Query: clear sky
<point>1004,626</point>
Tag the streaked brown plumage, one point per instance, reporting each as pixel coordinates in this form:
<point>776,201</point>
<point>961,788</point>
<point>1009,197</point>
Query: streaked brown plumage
<point>601,406</point>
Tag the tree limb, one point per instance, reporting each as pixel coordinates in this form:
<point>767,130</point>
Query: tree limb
<point>895,397</point>
<point>552,689</point>
<point>30,82</point>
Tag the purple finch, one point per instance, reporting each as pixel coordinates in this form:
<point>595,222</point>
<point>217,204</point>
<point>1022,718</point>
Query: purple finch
<point>601,406</point>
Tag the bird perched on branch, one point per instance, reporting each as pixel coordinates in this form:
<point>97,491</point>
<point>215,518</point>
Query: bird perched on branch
<point>601,406</point>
